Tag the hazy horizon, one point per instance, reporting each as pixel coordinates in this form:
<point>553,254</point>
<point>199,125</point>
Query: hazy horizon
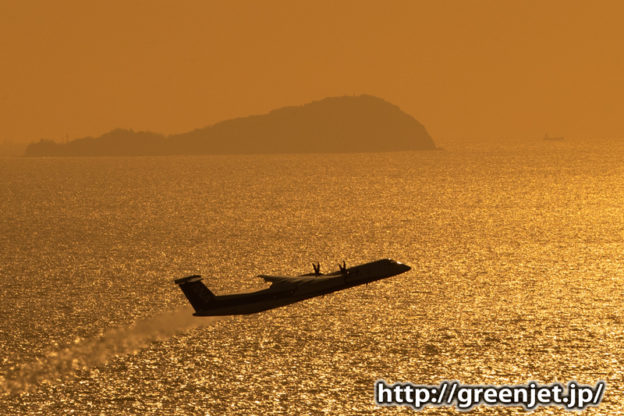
<point>464,69</point>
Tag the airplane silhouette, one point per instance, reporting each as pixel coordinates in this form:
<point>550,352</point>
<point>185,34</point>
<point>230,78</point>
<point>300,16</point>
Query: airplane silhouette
<point>285,290</point>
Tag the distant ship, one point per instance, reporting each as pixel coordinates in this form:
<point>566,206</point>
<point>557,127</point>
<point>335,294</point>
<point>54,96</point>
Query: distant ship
<point>553,139</point>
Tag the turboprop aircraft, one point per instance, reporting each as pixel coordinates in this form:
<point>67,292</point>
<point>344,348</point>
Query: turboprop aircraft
<point>285,290</point>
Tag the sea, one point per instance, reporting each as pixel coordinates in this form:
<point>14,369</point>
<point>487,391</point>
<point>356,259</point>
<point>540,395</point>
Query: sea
<point>516,249</point>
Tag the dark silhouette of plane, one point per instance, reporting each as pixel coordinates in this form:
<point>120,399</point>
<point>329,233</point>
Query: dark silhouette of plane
<point>285,290</point>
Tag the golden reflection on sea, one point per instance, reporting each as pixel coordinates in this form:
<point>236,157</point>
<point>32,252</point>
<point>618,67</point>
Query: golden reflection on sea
<point>517,275</point>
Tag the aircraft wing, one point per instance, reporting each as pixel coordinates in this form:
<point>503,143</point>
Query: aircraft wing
<point>276,279</point>
<point>290,280</point>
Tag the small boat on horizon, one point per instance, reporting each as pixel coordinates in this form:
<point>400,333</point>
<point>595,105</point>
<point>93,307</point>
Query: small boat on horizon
<point>553,139</point>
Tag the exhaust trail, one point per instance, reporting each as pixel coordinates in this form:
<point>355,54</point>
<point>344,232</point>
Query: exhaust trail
<point>63,364</point>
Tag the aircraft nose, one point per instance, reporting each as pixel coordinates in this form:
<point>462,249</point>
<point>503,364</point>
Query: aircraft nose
<point>403,267</point>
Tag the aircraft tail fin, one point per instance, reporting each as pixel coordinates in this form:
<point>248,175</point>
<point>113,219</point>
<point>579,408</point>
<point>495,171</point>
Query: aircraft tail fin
<point>196,292</point>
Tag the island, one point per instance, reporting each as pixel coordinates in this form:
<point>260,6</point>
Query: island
<point>351,124</point>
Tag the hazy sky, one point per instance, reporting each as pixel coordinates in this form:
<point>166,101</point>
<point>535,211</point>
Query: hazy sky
<point>463,68</point>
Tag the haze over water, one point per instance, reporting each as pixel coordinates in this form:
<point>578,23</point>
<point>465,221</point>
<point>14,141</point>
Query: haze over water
<point>516,253</point>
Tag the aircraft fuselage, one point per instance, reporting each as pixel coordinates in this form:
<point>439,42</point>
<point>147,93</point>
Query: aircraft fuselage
<point>285,290</point>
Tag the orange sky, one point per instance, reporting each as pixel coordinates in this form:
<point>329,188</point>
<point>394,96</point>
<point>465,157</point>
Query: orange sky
<point>473,69</point>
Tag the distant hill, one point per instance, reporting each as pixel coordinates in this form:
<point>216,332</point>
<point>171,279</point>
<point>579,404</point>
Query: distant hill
<point>337,124</point>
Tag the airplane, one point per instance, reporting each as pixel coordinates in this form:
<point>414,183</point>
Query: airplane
<point>285,290</point>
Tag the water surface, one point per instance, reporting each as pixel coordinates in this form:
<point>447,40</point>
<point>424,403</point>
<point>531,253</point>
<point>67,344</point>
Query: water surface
<point>517,275</point>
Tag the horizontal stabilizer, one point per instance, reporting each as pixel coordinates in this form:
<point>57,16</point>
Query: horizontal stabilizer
<point>188,279</point>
